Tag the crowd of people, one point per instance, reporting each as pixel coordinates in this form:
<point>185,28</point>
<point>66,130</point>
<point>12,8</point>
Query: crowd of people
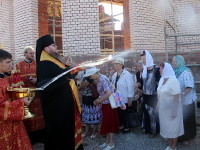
<point>158,99</point>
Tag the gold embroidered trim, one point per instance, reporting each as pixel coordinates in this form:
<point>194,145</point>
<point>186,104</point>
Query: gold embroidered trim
<point>77,145</point>
<point>78,132</point>
<point>6,110</point>
<point>18,84</point>
<point>75,93</point>
<point>31,74</point>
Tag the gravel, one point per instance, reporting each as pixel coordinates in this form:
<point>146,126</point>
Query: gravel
<point>134,140</point>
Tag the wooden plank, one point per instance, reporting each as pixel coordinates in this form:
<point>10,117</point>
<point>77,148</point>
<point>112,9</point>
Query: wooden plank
<point>110,35</point>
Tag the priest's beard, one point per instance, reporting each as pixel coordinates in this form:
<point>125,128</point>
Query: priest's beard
<point>56,55</point>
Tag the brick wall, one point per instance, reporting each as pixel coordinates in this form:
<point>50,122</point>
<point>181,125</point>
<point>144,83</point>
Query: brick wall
<point>6,26</point>
<point>19,25</point>
<point>80,27</point>
<point>186,21</point>
<point>42,17</point>
<point>132,59</point>
<point>25,25</point>
<point>126,23</point>
<point>146,25</point>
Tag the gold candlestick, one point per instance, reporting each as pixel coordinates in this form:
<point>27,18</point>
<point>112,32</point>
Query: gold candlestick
<point>17,93</point>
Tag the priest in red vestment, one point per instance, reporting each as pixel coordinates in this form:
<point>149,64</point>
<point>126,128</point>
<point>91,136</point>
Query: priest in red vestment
<point>26,69</point>
<point>13,135</point>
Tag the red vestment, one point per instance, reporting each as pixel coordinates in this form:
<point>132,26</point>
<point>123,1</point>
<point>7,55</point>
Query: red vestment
<point>27,70</point>
<point>13,134</point>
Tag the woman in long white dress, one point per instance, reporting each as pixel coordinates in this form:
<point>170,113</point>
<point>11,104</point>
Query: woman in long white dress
<point>169,106</point>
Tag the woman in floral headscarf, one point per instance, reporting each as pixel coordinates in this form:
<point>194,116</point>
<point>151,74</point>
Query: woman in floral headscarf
<point>186,80</point>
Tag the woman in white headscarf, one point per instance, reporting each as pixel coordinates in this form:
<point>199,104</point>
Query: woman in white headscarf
<point>169,106</point>
<point>150,79</point>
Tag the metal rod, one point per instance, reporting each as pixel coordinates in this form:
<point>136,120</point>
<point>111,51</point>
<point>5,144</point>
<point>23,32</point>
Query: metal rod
<point>176,44</point>
<point>188,43</point>
<point>170,25</point>
<point>113,38</point>
<point>165,34</point>
<point>166,52</point>
<point>179,35</point>
<point>54,20</point>
<point>171,6</point>
<point>190,65</point>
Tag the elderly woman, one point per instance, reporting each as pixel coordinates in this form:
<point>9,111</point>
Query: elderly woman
<point>150,78</point>
<point>169,106</point>
<point>91,114</point>
<point>186,80</point>
<point>138,92</point>
<point>110,120</point>
<point>123,83</point>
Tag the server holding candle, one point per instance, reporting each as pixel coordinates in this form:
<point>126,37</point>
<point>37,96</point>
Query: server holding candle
<point>12,130</point>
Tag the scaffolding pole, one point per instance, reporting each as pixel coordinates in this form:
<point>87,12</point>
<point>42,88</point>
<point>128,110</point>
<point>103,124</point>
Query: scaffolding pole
<point>54,20</point>
<point>113,32</point>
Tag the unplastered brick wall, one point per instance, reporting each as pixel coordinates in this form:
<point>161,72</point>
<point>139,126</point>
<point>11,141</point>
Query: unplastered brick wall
<point>146,25</point>
<point>187,21</point>
<point>80,27</point>
<point>170,24</point>
<point>6,26</point>
<point>25,25</point>
<point>132,59</point>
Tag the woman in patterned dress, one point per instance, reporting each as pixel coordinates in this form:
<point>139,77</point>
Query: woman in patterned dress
<point>91,114</point>
<point>110,120</point>
<point>188,96</point>
<point>169,106</point>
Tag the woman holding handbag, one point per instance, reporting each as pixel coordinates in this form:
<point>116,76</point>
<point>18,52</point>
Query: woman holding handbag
<point>123,83</point>
<point>110,120</point>
<point>91,114</point>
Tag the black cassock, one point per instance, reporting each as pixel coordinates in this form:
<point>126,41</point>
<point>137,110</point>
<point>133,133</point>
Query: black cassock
<point>59,101</point>
<point>58,107</point>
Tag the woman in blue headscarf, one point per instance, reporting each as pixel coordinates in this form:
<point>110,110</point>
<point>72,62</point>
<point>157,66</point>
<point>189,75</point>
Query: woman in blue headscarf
<point>189,97</point>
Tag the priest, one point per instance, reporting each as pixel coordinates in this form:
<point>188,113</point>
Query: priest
<point>60,101</point>
<point>26,70</point>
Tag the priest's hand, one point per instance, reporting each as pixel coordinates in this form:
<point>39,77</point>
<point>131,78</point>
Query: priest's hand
<point>33,80</point>
<point>26,101</point>
<point>69,62</point>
